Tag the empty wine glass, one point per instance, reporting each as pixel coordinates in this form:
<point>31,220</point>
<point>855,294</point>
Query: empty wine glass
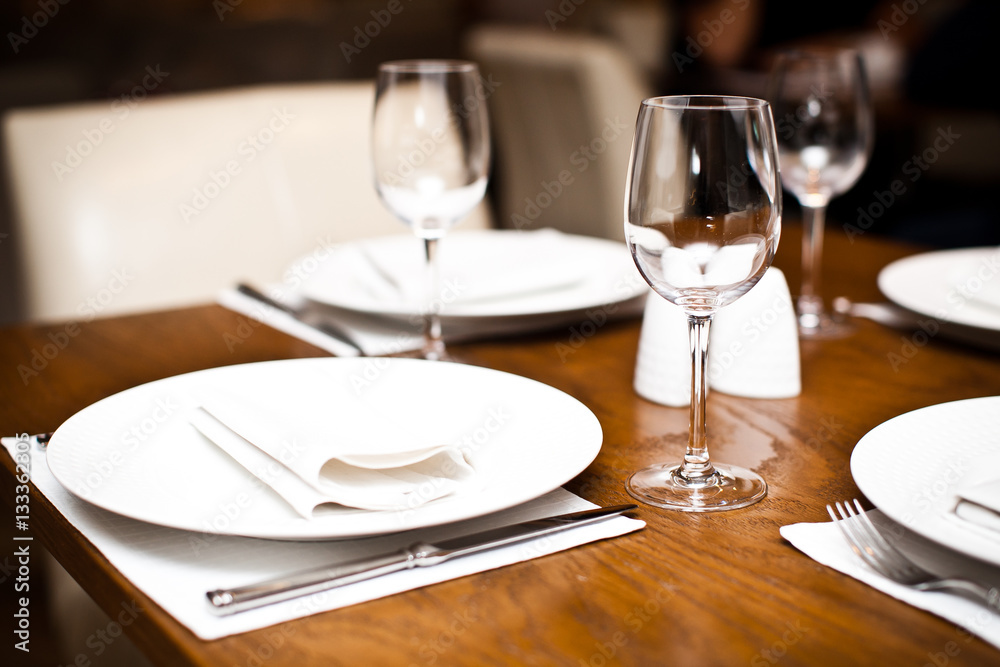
<point>824,126</point>
<point>431,150</point>
<point>702,219</point>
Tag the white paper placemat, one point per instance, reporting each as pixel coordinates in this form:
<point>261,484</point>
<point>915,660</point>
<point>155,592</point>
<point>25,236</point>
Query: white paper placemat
<point>175,568</point>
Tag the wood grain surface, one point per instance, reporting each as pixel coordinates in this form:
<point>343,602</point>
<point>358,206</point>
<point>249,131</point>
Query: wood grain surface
<point>721,589</point>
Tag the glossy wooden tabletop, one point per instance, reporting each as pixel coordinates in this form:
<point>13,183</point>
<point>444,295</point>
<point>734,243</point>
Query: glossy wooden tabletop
<point>722,589</point>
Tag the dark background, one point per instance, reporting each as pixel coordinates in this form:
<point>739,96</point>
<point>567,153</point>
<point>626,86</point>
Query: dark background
<point>943,74</point>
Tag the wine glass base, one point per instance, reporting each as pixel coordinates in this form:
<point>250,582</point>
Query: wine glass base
<point>731,487</point>
<point>823,326</point>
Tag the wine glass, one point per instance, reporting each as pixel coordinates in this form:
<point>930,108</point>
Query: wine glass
<point>431,150</point>
<point>825,132</point>
<point>702,219</point>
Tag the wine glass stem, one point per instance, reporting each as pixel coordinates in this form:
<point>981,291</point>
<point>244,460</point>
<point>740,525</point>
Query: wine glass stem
<point>697,469</point>
<point>433,343</point>
<point>813,223</point>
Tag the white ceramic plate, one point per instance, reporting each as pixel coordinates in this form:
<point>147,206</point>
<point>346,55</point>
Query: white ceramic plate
<point>947,285</point>
<point>485,274</point>
<point>135,453</point>
<point>912,466</point>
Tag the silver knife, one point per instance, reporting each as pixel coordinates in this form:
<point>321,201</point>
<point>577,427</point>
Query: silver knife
<point>317,323</point>
<point>420,554</point>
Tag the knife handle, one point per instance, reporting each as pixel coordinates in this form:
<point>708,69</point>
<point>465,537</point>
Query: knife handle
<point>232,600</point>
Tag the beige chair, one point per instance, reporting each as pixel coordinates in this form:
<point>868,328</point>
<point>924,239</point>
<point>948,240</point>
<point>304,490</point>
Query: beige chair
<point>564,108</point>
<point>162,203</point>
<point>153,203</point>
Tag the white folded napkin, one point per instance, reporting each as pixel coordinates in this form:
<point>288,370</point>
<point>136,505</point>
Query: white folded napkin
<point>753,347</point>
<point>370,463</point>
<point>509,267</point>
<point>824,543</point>
<point>175,568</point>
<point>375,336</point>
<point>386,336</point>
<point>979,504</point>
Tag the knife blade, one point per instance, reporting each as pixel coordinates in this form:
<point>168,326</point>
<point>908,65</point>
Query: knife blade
<point>420,554</point>
<point>315,323</point>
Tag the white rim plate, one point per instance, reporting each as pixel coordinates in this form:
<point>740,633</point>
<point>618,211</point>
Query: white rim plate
<point>912,466</point>
<point>605,269</point>
<point>135,454</point>
<point>943,285</point>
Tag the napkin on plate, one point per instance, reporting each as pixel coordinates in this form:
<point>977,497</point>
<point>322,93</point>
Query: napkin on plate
<point>753,347</point>
<point>174,568</point>
<point>522,275</point>
<point>474,269</point>
<point>979,504</point>
<point>383,468</point>
<point>824,543</point>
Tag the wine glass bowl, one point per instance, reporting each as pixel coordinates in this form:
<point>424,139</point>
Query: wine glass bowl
<point>824,125</point>
<point>431,154</point>
<point>702,220</point>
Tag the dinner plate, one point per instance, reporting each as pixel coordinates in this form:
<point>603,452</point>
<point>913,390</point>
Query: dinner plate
<point>947,285</point>
<point>485,274</point>
<point>136,454</point>
<point>912,466</point>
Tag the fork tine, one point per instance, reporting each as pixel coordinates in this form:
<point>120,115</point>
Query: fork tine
<point>883,557</point>
<point>856,542</point>
<point>875,545</point>
<point>890,555</point>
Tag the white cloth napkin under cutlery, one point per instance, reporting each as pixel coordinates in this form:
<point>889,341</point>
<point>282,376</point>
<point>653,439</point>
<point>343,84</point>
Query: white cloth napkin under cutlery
<point>824,543</point>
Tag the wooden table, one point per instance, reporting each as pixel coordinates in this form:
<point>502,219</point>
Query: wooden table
<point>690,589</point>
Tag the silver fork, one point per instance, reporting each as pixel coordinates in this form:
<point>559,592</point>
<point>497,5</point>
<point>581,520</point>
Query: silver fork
<point>877,553</point>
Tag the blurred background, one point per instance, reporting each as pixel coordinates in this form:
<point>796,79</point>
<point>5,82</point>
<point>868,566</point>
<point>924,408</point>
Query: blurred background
<point>557,61</point>
<point>564,78</point>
